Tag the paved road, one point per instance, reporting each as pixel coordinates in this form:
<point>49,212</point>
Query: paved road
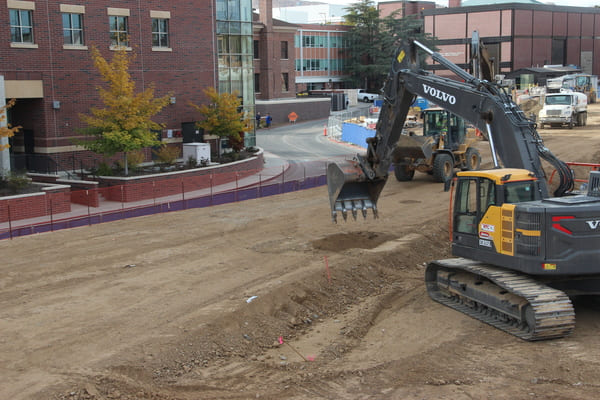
<point>301,142</point>
<point>304,147</point>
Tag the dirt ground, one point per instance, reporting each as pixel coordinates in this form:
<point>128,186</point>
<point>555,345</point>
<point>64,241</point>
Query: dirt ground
<point>192,305</point>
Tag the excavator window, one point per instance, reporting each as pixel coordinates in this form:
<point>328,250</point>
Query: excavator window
<point>473,197</point>
<point>516,192</point>
<point>465,210</point>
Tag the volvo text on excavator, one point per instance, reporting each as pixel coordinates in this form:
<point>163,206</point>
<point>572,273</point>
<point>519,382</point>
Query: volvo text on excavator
<point>519,252</point>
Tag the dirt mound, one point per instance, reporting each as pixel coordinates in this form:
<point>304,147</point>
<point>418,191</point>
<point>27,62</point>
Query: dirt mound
<point>351,240</point>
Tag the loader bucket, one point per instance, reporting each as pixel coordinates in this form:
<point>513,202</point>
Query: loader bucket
<point>350,190</point>
<point>415,147</point>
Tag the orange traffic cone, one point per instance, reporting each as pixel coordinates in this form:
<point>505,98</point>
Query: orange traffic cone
<point>325,130</point>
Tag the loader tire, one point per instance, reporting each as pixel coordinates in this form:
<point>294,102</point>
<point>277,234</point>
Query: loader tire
<point>443,168</point>
<point>403,173</point>
<point>472,160</point>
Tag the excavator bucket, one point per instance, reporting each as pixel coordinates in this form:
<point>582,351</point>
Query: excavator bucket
<point>351,191</point>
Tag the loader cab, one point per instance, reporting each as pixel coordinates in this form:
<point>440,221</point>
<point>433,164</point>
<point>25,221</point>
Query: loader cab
<point>443,124</point>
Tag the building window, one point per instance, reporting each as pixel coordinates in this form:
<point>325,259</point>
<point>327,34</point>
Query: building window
<point>160,32</point>
<point>256,49</point>
<point>73,29</point>
<point>119,31</point>
<point>257,83</point>
<point>284,82</point>
<point>284,50</point>
<point>21,26</point>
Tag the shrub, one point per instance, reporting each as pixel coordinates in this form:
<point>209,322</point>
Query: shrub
<point>14,182</point>
<point>166,155</point>
<point>135,159</point>
<point>191,162</point>
<point>103,170</point>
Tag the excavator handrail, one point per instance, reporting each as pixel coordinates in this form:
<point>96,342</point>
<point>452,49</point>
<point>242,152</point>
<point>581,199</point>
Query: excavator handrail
<point>592,166</point>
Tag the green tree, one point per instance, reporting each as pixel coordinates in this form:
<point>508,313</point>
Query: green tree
<point>124,124</point>
<point>373,41</point>
<point>223,116</point>
<point>367,61</point>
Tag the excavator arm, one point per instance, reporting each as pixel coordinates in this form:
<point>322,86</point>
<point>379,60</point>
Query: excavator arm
<point>356,185</point>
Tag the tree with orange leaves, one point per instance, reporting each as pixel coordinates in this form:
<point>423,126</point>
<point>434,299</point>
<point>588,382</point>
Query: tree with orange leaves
<point>6,130</point>
<point>223,116</point>
<point>124,124</point>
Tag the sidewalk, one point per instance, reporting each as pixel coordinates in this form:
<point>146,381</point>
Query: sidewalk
<point>274,168</point>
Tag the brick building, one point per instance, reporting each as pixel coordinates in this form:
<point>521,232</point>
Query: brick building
<point>404,8</point>
<point>274,69</point>
<point>518,34</point>
<point>47,66</point>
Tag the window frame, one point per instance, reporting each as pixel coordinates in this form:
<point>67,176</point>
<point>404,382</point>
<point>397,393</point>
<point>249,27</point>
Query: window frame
<point>257,83</point>
<point>285,82</point>
<point>118,14</point>
<point>161,16</point>
<point>20,26</point>
<point>72,30</point>
<point>116,34</point>
<point>160,34</point>
<point>284,50</point>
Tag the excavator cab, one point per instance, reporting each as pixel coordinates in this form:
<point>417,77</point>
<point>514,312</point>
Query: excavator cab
<point>484,202</point>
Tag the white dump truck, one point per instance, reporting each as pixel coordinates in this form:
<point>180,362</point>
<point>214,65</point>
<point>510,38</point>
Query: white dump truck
<point>565,108</point>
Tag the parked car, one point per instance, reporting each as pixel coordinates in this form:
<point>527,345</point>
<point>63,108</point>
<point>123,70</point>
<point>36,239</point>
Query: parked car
<point>365,96</point>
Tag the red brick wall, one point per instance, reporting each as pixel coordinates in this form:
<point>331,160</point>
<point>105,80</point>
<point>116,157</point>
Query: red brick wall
<point>53,201</point>
<point>144,188</point>
<point>87,197</point>
<point>69,76</point>
<point>270,66</point>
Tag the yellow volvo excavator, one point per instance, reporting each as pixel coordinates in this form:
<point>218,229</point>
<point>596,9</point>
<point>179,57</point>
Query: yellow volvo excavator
<point>520,253</point>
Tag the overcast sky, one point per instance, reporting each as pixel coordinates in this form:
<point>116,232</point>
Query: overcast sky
<point>577,3</point>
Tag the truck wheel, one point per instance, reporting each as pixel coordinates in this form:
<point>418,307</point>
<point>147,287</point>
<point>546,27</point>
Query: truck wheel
<point>584,118</point>
<point>443,167</point>
<point>472,160</point>
<point>403,173</point>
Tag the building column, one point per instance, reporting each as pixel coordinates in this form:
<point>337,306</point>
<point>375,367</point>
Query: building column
<point>266,18</point>
<point>4,154</point>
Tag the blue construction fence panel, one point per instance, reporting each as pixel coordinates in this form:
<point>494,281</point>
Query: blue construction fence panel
<point>421,102</point>
<point>356,134</point>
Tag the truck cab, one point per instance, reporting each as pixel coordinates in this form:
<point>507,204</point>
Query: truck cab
<point>565,108</point>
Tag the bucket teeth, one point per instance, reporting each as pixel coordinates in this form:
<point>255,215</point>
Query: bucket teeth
<point>353,207</point>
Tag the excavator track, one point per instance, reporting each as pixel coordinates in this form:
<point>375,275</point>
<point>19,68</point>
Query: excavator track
<point>507,300</point>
